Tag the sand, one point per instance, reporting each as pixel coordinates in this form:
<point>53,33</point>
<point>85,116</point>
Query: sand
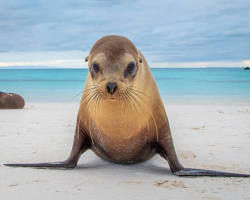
<point>206,136</point>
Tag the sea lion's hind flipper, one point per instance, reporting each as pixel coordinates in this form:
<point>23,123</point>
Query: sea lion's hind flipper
<point>81,143</point>
<point>167,151</point>
<point>64,164</point>
<point>203,172</point>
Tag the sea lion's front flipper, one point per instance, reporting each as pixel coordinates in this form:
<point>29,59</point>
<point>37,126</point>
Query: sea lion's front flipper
<point>81,143</point>
<point>63,164</point>
<point>167,151</point>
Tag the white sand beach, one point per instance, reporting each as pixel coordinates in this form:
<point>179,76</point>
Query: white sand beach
<point>206,136</point>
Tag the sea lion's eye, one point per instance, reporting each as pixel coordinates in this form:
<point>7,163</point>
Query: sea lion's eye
<point>131,69</point>
<point>94,68</point>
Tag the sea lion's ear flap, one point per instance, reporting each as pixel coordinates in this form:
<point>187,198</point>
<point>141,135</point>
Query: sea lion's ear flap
<point>139,56</point>
<point>86,58</point>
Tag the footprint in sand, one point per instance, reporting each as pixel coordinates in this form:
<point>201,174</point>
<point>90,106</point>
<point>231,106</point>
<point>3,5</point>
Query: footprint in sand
<point>198,128</point>
<point>171,184</point>
<point>132,182</point>
<point>13,185</point>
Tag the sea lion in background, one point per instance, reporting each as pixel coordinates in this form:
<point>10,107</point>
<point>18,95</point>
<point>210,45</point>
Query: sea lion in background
<point>11,101</point>
<point>121,115</point>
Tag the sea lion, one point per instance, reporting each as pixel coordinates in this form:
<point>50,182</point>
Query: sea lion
<point>121,116</point>
<point>11,101</point>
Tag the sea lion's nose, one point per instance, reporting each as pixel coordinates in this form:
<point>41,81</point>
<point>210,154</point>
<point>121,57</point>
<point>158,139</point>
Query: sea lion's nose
<point>111,87</point>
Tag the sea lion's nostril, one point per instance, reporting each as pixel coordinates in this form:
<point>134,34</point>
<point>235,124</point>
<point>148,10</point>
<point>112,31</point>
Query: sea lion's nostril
<point>111,87</point>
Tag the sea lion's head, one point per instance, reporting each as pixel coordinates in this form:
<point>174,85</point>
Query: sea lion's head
<point>114,63</point>
<point>120,93</point>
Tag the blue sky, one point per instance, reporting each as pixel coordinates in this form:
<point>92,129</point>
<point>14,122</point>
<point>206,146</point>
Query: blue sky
<point>184,33</point>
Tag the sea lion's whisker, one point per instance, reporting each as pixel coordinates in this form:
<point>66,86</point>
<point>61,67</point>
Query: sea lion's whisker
<point>126,103</point>
<point>92,98</point>
<point>139,102</point>
<point>139,91</point>
<point>86,94</point>
<point>86,102</point>
<point>131,102</point>
<point>151,114</point>
<point>92,94</point>
<point>135,100</point>
<point>85,98</point>
<point>97,101</point>
<point>143,101</point>
<point>77,95</point>
<point>100,100</point>
<point>91,87</point>
<point>128,106</point>
<point>127,100</point>
<point>122,98</point>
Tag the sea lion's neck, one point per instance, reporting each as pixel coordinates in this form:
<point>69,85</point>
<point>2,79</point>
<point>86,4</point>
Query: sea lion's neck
<point>116,118</point>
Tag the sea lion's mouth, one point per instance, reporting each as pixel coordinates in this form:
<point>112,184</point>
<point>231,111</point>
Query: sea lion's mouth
<point>112,98</point>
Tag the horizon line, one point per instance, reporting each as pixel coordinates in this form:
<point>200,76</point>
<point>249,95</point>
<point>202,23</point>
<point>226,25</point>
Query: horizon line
<point>180,67</point>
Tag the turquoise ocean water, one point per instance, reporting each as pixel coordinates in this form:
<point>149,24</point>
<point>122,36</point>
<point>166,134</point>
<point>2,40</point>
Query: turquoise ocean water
<point>175,84</point>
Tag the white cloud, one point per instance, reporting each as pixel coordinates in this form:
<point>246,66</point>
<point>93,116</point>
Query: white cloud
<point>69,59</point>
<point>198,64</point>
<point>177,31</point>
<point>246,62</point>
<point>47,63</point>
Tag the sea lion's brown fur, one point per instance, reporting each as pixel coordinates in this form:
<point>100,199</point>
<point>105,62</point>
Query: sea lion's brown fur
<point>11,101</point>
<point>122,133</point>
<point>126,126</point>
